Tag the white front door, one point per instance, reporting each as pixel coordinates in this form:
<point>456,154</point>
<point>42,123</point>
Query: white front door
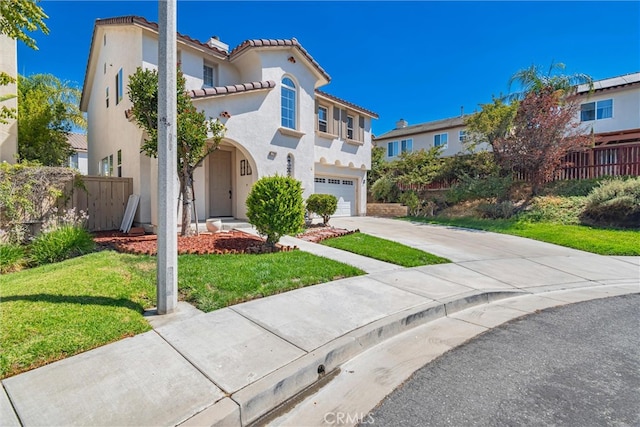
<point>344,189</point>
<point>220,196</point>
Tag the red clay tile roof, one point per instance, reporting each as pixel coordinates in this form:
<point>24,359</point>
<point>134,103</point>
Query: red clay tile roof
<point>347,103</point>
<point>256,43</point>
<point>78,141</point>
<point>225,90</point>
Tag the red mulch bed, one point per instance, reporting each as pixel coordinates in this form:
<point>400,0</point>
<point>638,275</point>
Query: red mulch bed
<point>227,242</point>
<point>318,233</point>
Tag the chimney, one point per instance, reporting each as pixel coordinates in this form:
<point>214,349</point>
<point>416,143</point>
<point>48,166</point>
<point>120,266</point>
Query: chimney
<point>462,111</point>
<point>214,41</point>
<point>402,123</point>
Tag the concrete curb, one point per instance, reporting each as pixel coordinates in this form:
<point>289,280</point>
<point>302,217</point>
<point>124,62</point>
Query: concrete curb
<point>259,399</point>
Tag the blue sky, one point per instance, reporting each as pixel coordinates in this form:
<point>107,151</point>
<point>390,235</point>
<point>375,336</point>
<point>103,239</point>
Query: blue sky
<point>420,61</point>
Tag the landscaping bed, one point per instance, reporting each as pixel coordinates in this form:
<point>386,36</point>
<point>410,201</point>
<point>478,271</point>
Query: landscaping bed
<point>226,242</point>
<point>318,233</point>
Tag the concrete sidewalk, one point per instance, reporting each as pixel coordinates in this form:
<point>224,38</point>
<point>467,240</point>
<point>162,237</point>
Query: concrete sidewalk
<point>234,365</point>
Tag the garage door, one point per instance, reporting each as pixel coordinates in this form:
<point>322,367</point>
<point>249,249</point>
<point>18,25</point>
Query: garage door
<point>343,189</point>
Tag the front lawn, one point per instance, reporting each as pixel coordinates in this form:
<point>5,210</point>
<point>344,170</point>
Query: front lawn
<point>597,240</point>
<point>383,250</point>
<point>55,311</point>
<point>58,310</point>
<point>214,281</point>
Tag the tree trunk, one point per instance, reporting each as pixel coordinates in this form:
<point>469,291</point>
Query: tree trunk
<point>187,202</point>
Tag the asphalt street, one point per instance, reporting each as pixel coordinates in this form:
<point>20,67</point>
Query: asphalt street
<point>576,365</point>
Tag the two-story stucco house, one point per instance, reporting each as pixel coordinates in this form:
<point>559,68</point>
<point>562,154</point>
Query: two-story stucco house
<point>266,92</point>
<point>449,134</point>
<point>610,108</point>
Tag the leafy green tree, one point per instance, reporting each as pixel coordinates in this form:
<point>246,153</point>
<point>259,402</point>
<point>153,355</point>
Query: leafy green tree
<point>197,137</point>
<point>47,112</point>
<point>17,17</point>
<point>324,205</point>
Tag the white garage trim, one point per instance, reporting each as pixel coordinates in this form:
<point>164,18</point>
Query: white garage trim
<point>344,188</point>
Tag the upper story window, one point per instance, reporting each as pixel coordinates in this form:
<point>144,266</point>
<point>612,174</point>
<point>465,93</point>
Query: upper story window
<point>323,117</point>
<point>207,75</point>
<point>596,110</point>
<point>406,145</point>
<point>349,127</point>
<point>288,100</point>
<point>392,149</point>
<point>119,87</point>
<point>441,140</point>
<point>462,136</point>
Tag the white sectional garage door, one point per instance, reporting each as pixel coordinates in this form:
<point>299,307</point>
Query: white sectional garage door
<point>343,189</point>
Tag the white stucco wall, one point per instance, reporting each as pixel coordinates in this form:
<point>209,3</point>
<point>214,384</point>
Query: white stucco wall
<point>626,109</point>
<point>108,128</point>
<point>9,130</point>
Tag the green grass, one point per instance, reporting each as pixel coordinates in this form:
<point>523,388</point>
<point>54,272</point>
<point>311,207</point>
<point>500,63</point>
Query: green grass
<point>58,310</point>
<point>215,281</point>
<point>597,240</point>
<point>383,250</point>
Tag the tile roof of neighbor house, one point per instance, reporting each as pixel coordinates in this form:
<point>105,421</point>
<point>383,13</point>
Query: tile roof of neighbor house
<point>347,103</point>
<point>77,141</point>
<point>610,83</point>
<point>226,90</point>
<point>424,127</point>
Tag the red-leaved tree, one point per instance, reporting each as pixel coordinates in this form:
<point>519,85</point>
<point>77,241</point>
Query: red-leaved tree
<point>544,130</point>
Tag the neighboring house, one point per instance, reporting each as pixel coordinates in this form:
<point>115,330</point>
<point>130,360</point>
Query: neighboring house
<point>449,134</point>
<point>78,160</point>
<point>264,91</point>
<point>9,130</point>
<point>611,110</point>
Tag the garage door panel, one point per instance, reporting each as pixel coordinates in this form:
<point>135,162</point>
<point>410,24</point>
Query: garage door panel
<point>343,189</point>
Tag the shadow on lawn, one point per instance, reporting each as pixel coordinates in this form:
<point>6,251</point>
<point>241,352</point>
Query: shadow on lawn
<point>76,299</point>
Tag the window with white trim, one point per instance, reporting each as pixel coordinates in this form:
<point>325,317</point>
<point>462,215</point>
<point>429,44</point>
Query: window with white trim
<point>349,127</point>
<point>119,87</point>
<point>441,140</point>
<point>406,145</point>
<point>106,166</point>
<point>462,136</point>
<point>288,103</point>
<point>208,75</point>
<point>323,119</point>
<point>106,97</point>
<point>596,110</point>
<point>392,149</point>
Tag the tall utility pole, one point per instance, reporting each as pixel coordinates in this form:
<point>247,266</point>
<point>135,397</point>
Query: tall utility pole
<point>167,273</point>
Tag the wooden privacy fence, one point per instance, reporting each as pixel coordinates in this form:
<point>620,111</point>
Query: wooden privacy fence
<point>601,161</point>
<point>604,160</point>
<point>103,198</point>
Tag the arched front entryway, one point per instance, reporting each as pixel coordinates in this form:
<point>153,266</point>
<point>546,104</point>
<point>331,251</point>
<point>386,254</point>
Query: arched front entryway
<point>229,173</point>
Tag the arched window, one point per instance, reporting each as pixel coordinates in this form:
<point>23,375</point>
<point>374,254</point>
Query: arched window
<point>288,100</point>
<point>289,165</point>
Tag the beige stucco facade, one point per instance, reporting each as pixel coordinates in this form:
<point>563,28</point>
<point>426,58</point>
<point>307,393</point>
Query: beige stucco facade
<point>245,92</point>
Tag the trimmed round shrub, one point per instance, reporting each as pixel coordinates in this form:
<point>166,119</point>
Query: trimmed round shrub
<point>324,205</point>
<point>615,202</point>
<point>12,258</point>
<point>59,244</point>
<point>275,207</point>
